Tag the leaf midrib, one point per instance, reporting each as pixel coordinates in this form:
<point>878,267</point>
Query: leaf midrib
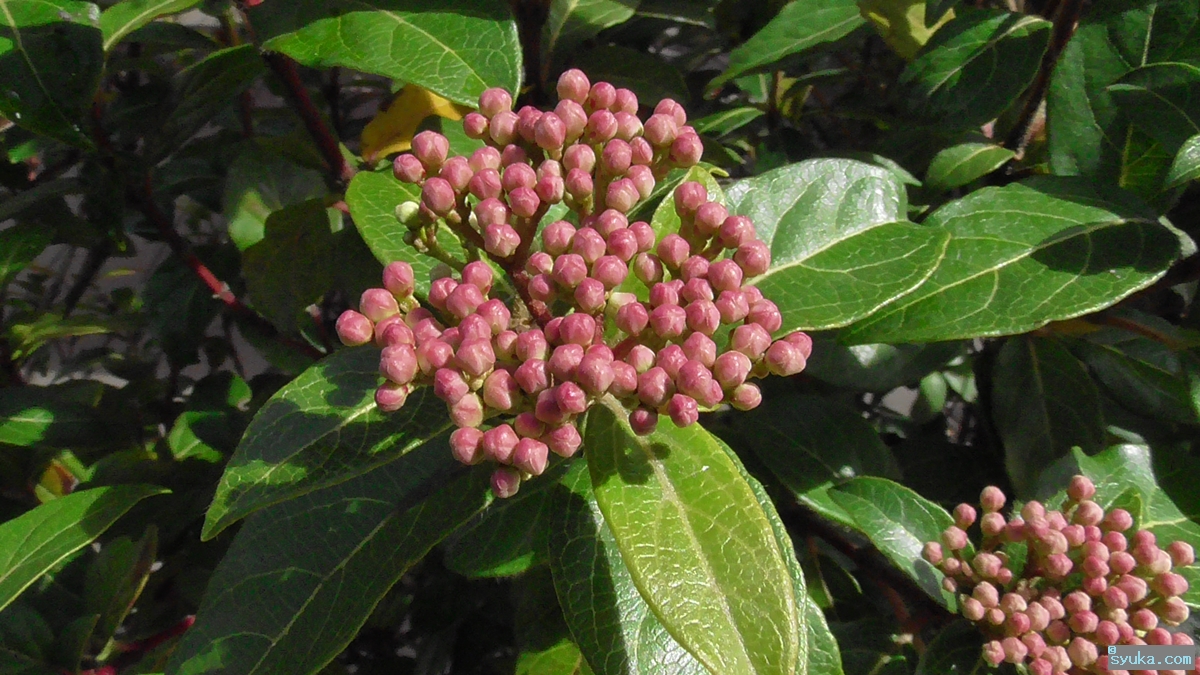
<point>402,21</point>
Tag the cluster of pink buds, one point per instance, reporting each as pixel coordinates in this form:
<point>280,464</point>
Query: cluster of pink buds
<point>1088,580</point>
<point>519,356</point>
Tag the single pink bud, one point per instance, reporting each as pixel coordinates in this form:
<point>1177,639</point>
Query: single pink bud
<point>754,258</point>
<point>547,410</point>
<point>393,331</point>
<point>732,306</point>
<point>571,398</point>
<point>1135,587</point>
<point>1143,619</point>
<point>644,234</point>
<point>430,148</point>
<point>642,151</point>
<point>626,101</point>
<point>498,443</point>
<point>1168,584</point>
<point>475,126</point>
<point>485,184</point>
<point>735,232</point>
<point>524,202</point>
<point>506,481</point>
<point>601,95</point>
<point>527,119</point>
<point>439,291</point>
<point>703,316</point>
<point>532,375</point>
<point>683,411</point>
<point>495,315</point>
<point>1080,489</point>
<point>992,524</point>
<point>724,275</point>
<point>539,262</point>
<point>432,355</point>
<point>1088,513</point>
<point>671,107</point>
<point>709,218</point>
<point>483,158</point>
<point>390,397</point>
<point>563,441</point>
<point>398,363</point>
<point>643,421</point>
<point>660,130</point>
<point>687,150</point>
<point>467,412</point>
<point>610,271</point>
<point>1118,520</point>
<point>574,120</point>
<point>655,387</point>
<point>993,652</point>
<point>1082,652</point>
<point>490,212</point>
<point>746,397</point>
<point>601,127</point>
<point>622,244</point>
<point>580,157</point>
<point>695,267</point>
<point>1076,536</point>
<point>475,357</point>
<point>648,268</point>
<point>991,499</point>
<point>640,357</point>
<point>457,172</point>
<point>550,189</point>
<point>450,386</point>
<point>588,243</point>
<point>550,132</point>
<point>673,250</point>
<point>784,359</point>
<point>1115,541</point>
<point>632,318</point>
<point>765,314</point>
<point>500,390</point>
<point>579,184</point>
<point>622,195</point>
<point>466,445</point>
<point>513,154</point>
<point>694,379</point>
<point>932,551</point>
<point>671,358</point>
<point>668,321</point>
<point>378,304</point>
<point>594,375</point>
<point>589,296</point>
<point>1182,554</point>
<point>625,380</point>
<point>1173,611</point>
<point>548,168</point>
<point>463,300</point>
<point>570,269</point>
<point>573,85</point>
<point>532,344</point>
<point>437,195</point>
<point>501,240</point>
<point>1017,624</point>
<point>731,369</point>
<point>408,169</point>
<point>354,329</point>
<point>557,237</point>
<point>551,329</point>
<point>577,329</point>
<point>528,425</point>
<point>628,126</point>
<point>503,128</point>
<point>689,197</point>
<point>954,538</point>
<point>541,287</point>
<point>750,339</point>
<point>494,101</point>
<point>1084,622</point>
<point>564,361</point>
<point>700,347</point>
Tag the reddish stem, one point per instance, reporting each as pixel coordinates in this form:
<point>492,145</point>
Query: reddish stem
<point>285,68</point>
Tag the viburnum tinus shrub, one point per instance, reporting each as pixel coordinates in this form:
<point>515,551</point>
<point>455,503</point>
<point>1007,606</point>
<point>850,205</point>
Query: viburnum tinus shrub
<point>663,323</point>
<point>1051,588</point>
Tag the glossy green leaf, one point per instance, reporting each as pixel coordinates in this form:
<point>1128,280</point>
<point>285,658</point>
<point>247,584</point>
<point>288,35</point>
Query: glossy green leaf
<point>508,539</point>
<point>649,76</point>
<point>16,204</point>
<point>40,417</point>
<point>19,246</point>
<point>1186,166</point>
<point>878,367</point>
<point>836,254</point>
<point>811,443</point>
<point>1043,404</point>
<point>1163,100</point>
<point>572,22</point>
<point>975,66</point>
<point>726,121</point>
<point>611,623</point>
<point>1143,376</point>
<point>1026,254</point>
<point>798,27</point>
<point>26,337</point>
<point>50,63</point>
<point>960,164</point>
<point>260,182</point>
<point>179,307</point>
<point>898,522</point>
<point>373,198</point>
<point>1121,469</point>
<point>129,15</point>
<point>32,544</point>
<point>903,24</point>
<point>957,650</point>
<point>1088,134</point>
<point>456,48</point>
<point>203,90</point>
<point>685,521</point>
<point>562,658</point>
<point>320,430</point>
<point>292,266</point>
<point>317,565</point>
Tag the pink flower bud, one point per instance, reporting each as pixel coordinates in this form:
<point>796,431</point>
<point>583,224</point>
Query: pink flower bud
<point>644,234</point>
<point>579,184</point>
<point>594,375</point>
<point>571,398</point>
<point>622,244</point>
<point>580,157</point>
<point>463,300</point>
<point>601,127</point>
<point>1082,652</point>
<point>731,368</point>
<point>564,361</point>
<point>609,221</point>
<point>377,304</point>
<point>725,275</point>
<point>457,172</point>
<point>494,101</point>
<point>467,412</point>
<point>498,443</point>
<point>547,410</point>
<point>668,321</point>
<point>1115,541</point>
<point>735,232</point>
<point>528,425</point>
<point>475,126</point>
<point>570,269</point>
<point>1084,622</point>
<point>437,195</point>
<point>746,397</point>
<point>503,128</point>
<point>750,339</point>
<point>700,347</point>
<point>610,271</point>
<point>683,411</point>
<point>1173,611</point>
<point>588,243</point>
<point>709,218</point>
<point>513,154</point>
<point>527,119</point>
<point>671,107</point>
<point>703,317</point>
<point>601,95</point>
<point>450,386</point>
<point>1088,513</point>
<point>625,379</point>
<point>754,258</point>
<point>622,195</point>
<point>398,363</point>
<point>532,375</point>
<point>577,329</point>
<point>1168,584</point>
<point>563,441</point>
<point>765,314</point>
<point>671,358</point>
<point>475,357</point>
<point>695,267</point>
<point>557,237</point>
<point>532,344</point>
<point>648,268</point>
<point>993,652</point>
<point>643,179</point>
<point>390,397</point>
<point>501,391</point>
<point>574,120</point>
<point>490,212</point>
<point>1014,650</point>
<point>632,318</point>
<point>643,421</point>
<point>1182,554</point>
<point>1093,566</point>
<point>486,157</point>
<point>501,240</point>
<point>992,524</point>
<point>589,296</point>
<point>524,202</point>
<point>694,379</point>
<point>687,150</point>
<point>432,355</point>
<point>660,130</point>
<point>430,148</point>
<point>732,306</point>
<point>932,551</point>
<point>506,481</point>
<point>466,445</point>
<point>954,538</point>
<point>573,85</point>
<point>655,387</point>
<point>354,329</point>
<point>673,250</point>
<point>1080,489</point>
<point>1143,619</point>
<point>1017,624</point>
<point>1118,520</point>
<point>641,358</point>
<point>550,132</point>
<point>550,189</point>
<point>408,169</point>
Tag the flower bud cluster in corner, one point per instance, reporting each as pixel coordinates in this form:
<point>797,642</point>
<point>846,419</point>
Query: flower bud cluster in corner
<point>1051,589</point>
<point>517,372</point>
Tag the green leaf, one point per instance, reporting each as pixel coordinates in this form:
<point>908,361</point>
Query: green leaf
<point>878,367</point>
<point>506,540</point>
<point>455,48</point>
<point>811,443</point>
<point>15,204</point>
<point>1163,100</point>
<point>836,254</point>
<point>975,66</point>
<point>27,337</point>
<point>570,23</point>
<point>958,165</point>
<point>373,198</point>
<point>1043,404</point>
<point>903,24</point>
<point>898,522</point>
<point>686,521</point>
<point>956,650</point>
<point>561,658</point>
<point>1024,255</point>
<point>50,63</point>
<point>129,15</point>
<point>1143,376</point>
<point>260,182</point>
<point>25,642</point>
<point>20,245</point>
<point>611,623</point>
<point>179,307</point>
<point>203,90</point>
<point>726,121</point>
<point>292,267</point>
<point>316,566</point>
<point>798,27</point>
<point>41,417</point>
<point>114,581</point>
<point>650,77</point>
<point>1186,166</point>
<point>35,542</point>
<point>321,429</point>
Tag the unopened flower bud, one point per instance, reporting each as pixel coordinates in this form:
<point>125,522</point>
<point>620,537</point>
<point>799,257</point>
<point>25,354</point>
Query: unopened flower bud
<point>602,127</point>
<point>550,132</point>
<point>354,329</point>
<point>746,397</point>
<point>993,652</point>
<point>475,126</point>
<point>513,154</point>
<point>467,412</point>
<point>564,440</point>
<point>655,387</point>
<point>750,339</point>
<point>577,329</point>
<point>503,128</point>
<point>500,390</point>
<point>660,130</point>
<point>641,358</point>
<point>494,101</point>
<point>498,443</point>
<point>1082,652</point>
<point>580,157</point>
<point>378,304</point>
<point>466,445</point>
<point>573,85</point>
<point>682,410</point>
<point>601,95</point>
<point>408,169</point>
<point>437,195</point>
<point>501,240</point>
<point>430,148</point>
<point>673,250</point>
<point>668,321</point>
<point>505,482</point>
<point>1118,520</point>
<point>1182,554</point>
<point>532,375</point>
<point>457,172</point>
<point>622,195</point>
<point>643,421</point>
<point>686,150</point>
<point>754,258</point>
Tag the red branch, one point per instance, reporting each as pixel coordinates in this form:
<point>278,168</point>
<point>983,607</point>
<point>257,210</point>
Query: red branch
<point>285,68</point>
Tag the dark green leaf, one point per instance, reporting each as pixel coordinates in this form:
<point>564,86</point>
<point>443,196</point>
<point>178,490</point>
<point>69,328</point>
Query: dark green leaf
<point>1150,383</point>
<point>956,650</point>
<point>35,542</point>
<point>561,658</point>
<point>1186,166</point>
<point>612,625</point>
<point>320,430</point>
<point>878,367</point>
<point>456,48</point>
<point>50,63</point>
<point>651,78</point>
<point>25,642</point>
<point>686,520</point>
<point>28,337</point>
<point>506,540</point>
<point>129,15</point>
<point>726,121</point>
<point>799,26</point>
<point>260,182</point>
<point>203,90</point>
<point>42,417</point>
<point>14,205</point>
<point>1043,404</point>
<point>572,22</point>
<point>899,522</point>
<point>72,642</point>
<point>292,267</point>
<point>373,198</point>
<point>836,254</point>
<point>958,165</point>
<point>19,246</point>
<point>1163,100</point>
<point>975,66</point>
<point>811,443</point>
<point>180,307</point>
<point>316,566</point>
<point>936,9</point>
<point>115,579</point>
<point>1026,254</point>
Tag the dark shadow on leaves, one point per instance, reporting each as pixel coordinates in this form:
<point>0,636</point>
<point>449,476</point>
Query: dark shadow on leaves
<point>1085,250</point>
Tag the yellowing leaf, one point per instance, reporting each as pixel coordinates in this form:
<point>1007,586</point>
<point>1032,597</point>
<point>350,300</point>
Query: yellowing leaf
<point>393,128</point>
<point>901,23</point>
